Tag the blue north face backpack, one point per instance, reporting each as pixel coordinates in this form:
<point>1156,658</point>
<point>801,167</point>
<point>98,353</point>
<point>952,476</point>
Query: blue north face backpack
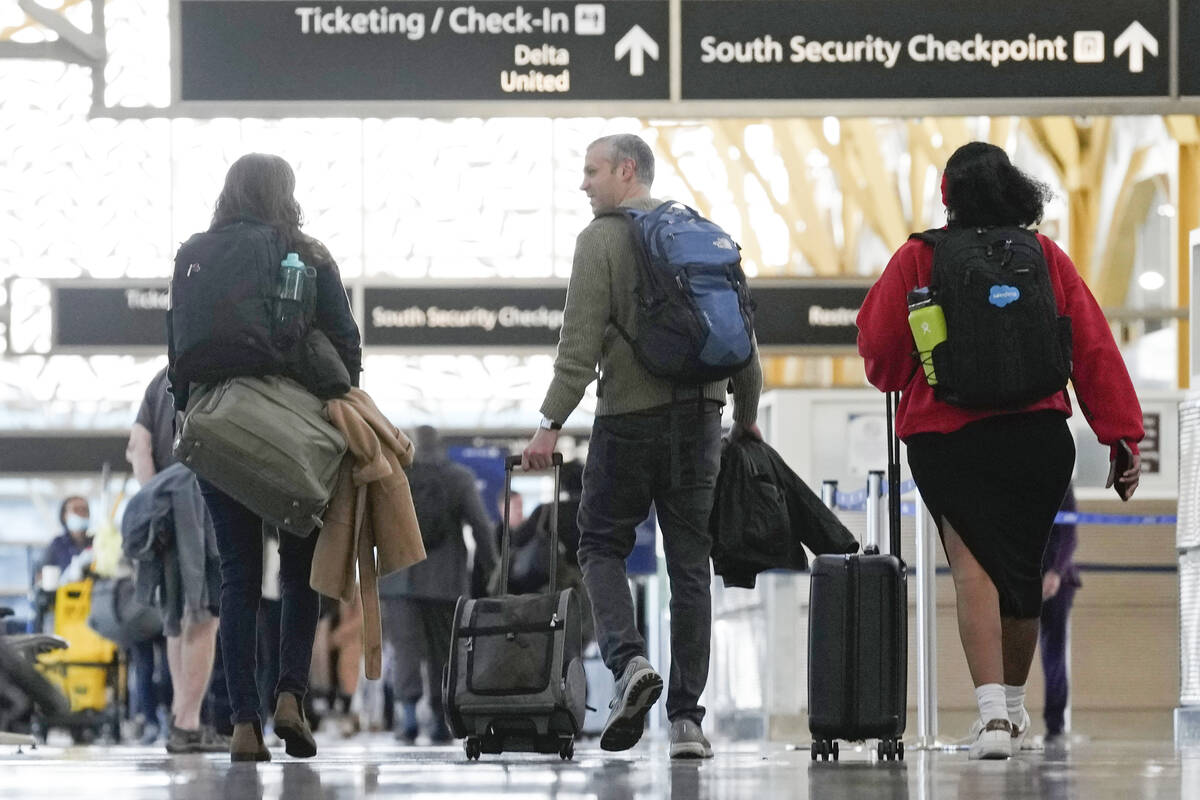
<point>695,318</point>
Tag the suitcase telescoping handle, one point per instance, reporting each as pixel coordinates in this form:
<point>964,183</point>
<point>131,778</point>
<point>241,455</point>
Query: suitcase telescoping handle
<point>893,401</point>
<point>875,478</point>
<point>511,463</point>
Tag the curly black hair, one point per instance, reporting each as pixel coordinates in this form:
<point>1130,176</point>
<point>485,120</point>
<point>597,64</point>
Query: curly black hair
<point>984,189</point>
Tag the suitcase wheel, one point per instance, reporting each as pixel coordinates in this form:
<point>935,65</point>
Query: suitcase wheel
<point>890,750</point>
<point>473,748</point>
<point>824,749</point>
<point>566,749</point>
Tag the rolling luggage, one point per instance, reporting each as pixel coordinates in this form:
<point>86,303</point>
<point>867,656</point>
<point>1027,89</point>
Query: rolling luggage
<point>858,632</point>
<point>515,680</point>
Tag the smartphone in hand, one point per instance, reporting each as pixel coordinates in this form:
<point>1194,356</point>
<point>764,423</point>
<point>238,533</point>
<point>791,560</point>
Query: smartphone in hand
<point>1117,468</point>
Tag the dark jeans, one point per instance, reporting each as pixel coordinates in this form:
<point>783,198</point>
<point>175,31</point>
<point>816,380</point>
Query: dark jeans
<point>151,684</point>
<point>269,616</point>
<point>240,542</point>
<point>1053,634</point>
<point>669,458</point>
<point>216,710</point>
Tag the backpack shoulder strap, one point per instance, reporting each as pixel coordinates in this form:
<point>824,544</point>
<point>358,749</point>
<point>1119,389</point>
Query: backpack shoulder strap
<point>932,237</point>
<point>645,275</point>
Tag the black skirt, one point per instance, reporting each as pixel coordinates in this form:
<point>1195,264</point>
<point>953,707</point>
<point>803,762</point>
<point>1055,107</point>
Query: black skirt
<point>999,482</point>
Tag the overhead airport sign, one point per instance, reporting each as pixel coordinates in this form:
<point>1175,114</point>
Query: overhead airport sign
<point>272,50</point>
<point>790,314</point>
<point>803,313</point>
<point>109,318</point>
<point>1189,48</point>
<point>462,316</point>
<point>825,49</point>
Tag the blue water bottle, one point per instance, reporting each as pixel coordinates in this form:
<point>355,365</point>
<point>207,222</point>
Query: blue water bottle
<point>292,275</point>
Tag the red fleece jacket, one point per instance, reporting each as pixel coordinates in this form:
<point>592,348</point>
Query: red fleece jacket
<point>1101,381</point>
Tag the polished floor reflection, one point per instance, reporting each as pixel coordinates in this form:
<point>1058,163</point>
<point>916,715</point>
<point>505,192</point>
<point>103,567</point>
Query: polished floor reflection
<point>379,768</point>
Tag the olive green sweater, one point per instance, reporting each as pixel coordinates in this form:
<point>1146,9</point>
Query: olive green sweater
<point>602,288</point>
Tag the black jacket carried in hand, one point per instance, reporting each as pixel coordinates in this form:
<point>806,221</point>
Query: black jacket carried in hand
<point>764,516</point>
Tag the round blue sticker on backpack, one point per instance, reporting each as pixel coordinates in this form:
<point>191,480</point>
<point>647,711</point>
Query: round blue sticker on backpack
<point>1001,295</point>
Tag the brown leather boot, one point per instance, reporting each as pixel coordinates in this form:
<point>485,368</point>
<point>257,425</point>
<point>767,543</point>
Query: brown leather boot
<point>292,727</point>
<point>247,744</point>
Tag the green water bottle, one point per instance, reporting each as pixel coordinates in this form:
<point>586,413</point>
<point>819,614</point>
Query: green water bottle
<point>928,325</point>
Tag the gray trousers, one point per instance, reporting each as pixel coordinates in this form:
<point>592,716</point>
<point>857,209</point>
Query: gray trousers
<point>670,458</point>
<point>419,632</point>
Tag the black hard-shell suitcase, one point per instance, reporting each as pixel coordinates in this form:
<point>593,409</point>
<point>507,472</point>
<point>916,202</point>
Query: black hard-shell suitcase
<point>858,635</point>
<point>515,680</point>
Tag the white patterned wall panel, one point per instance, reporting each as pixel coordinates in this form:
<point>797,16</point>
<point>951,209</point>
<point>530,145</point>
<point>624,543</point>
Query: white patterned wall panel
<point>465,391</point>
<point>73,392</point>
<point>460,198</point>
<point>137,72</point>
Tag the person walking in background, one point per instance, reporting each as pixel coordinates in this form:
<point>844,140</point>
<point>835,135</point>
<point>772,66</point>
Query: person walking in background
<point>152,436</point>
<point>1060,580</point>
<point>994,478</point>
<point>261,188</point>
<point>653,441</point>
<point>419,600</point>
<point>167,534</point>
<point>150,451</point>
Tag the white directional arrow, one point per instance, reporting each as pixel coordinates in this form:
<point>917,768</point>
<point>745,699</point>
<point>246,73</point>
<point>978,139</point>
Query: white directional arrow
<point>637,43</point>
<point>1135,39</point>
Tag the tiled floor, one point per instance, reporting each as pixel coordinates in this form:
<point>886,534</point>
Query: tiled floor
<point>375,767</point>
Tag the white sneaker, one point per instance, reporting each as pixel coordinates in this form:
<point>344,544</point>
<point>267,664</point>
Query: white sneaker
<point>993,742</point>
<point>1020,731</point>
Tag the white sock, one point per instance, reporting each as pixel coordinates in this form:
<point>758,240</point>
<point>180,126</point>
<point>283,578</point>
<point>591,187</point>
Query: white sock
<point>1014,697</point>
<point>992,705</point>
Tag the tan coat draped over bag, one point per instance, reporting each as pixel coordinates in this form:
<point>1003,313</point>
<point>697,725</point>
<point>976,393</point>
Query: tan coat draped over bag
<point>370,519</point>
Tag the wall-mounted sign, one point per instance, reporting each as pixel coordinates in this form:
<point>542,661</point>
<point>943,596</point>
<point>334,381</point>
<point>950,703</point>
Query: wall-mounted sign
<point>110,317</point>
<point>1189,47</point>
<point>927,48</point>
<point>790,314</point>
<point>793,314</point>
<point>78,451</point>
<point>462,316</point>
<point>267,50</point>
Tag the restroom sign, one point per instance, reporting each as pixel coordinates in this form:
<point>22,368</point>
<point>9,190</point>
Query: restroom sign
<point>829,49</point>
<point>283,50</point>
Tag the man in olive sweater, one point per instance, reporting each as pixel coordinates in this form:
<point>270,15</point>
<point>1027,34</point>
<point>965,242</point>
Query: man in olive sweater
<point>652,442</point>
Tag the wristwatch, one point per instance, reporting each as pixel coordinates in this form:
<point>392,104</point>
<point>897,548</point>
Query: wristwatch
<point>549,424</point>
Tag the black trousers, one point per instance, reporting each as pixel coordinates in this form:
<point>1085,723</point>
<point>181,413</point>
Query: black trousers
<point>240,542</point>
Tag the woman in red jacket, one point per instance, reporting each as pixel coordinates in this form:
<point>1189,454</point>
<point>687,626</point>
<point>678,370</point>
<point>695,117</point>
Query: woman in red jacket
<point>994,478</point>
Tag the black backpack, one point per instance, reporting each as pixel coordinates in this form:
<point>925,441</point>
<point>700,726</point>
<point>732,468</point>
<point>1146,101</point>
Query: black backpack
<point>1005,346</point>
<point>221,321</point>
<point>436,514</point>
<point>695,317</point>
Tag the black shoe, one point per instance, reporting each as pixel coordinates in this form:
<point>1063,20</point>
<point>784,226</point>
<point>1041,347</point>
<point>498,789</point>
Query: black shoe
<point>633,697</point>
<point>441,735</point>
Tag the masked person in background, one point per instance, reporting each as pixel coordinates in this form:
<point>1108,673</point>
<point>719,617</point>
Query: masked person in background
<point>75,516</point>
